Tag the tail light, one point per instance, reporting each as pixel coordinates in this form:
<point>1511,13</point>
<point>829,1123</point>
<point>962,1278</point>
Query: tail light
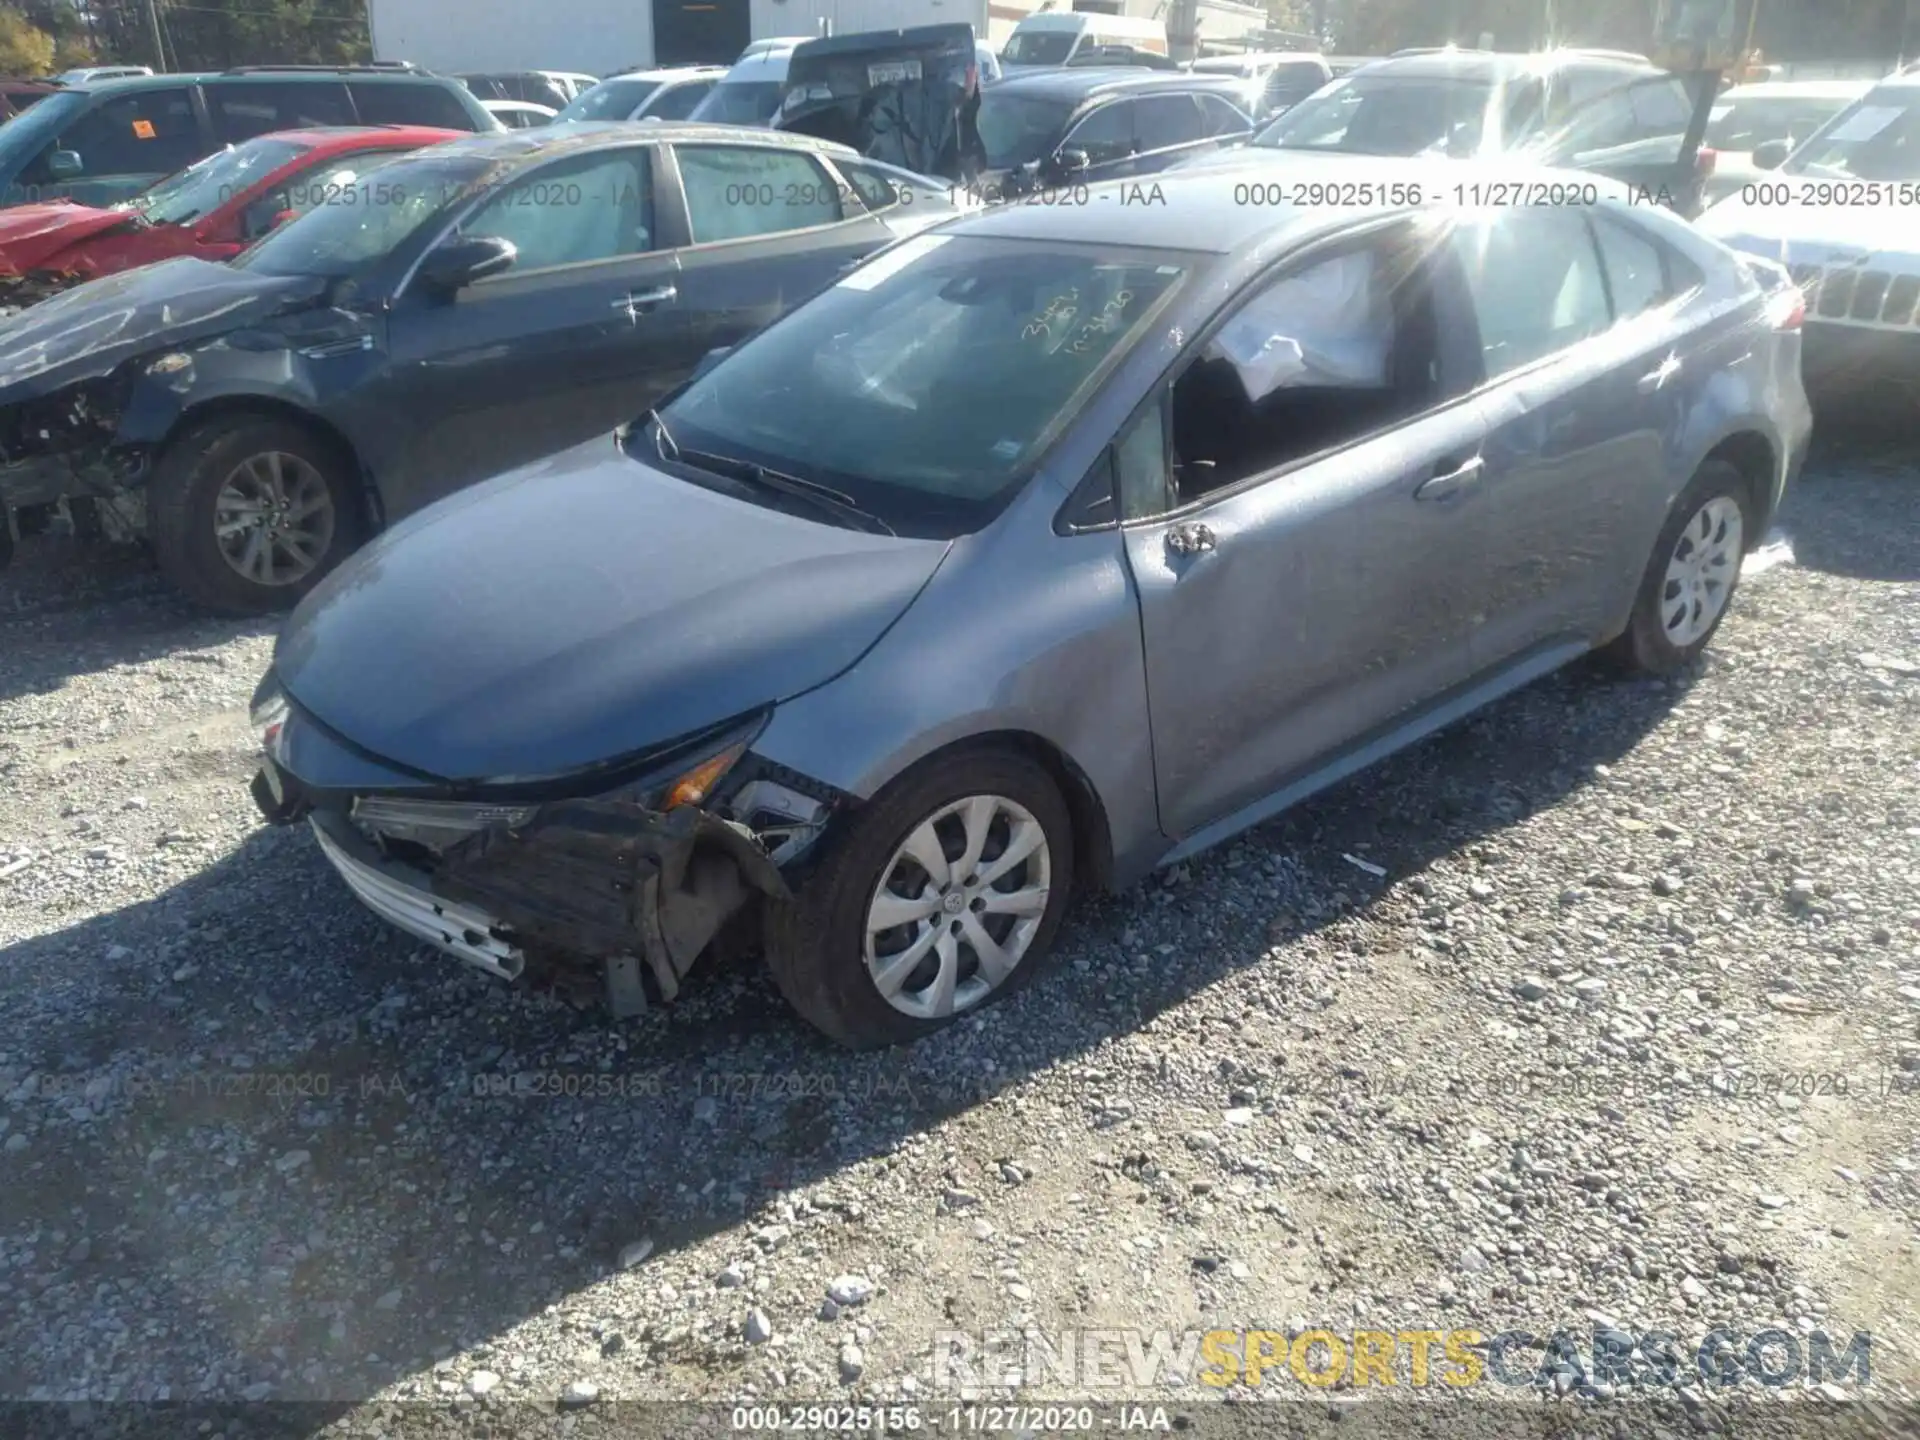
<point>1705,162</point>
<point>973,78</point>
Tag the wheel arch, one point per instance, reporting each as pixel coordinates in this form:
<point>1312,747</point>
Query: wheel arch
<point>1092,831</point>
<point>1757,457</point>
<point>268,407</point>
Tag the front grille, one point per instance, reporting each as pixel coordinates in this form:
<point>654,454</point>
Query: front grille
<point>1860,297</point>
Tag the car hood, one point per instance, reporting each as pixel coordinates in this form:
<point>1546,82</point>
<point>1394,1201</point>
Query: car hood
<point>91,329</point>
<point>582,610</point>
<point>1809,234</point>
<point>31,235</point>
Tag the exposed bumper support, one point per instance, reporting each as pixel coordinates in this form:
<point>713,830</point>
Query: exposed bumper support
<point>616,882</point>
<point>404,897</point>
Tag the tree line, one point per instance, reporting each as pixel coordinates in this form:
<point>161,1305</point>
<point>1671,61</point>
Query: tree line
<point>41,37</point>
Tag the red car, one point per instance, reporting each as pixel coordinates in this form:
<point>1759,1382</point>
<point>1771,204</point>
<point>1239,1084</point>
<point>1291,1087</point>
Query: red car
<point>214,208</point>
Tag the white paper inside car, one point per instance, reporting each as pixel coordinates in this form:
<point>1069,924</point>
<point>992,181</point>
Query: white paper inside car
<point>1324,327</point>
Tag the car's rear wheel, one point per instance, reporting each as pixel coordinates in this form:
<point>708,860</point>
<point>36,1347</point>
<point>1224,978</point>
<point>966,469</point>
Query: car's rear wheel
<point>250,512</point>
<point>945,894</point>
<point>1691,578</point>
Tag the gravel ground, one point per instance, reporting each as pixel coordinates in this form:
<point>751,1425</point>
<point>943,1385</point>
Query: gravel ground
<point>1600,1008</point>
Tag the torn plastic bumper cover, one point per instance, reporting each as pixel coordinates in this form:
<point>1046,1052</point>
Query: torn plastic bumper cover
<point>639,891</point>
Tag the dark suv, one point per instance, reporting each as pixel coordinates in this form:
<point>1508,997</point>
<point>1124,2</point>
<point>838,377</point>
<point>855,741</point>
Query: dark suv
<point>102,143</point>
<point>1053,127</point>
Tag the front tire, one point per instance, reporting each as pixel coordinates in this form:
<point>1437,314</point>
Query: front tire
<point>944,895</point>
<point>250,512</point>
<point>1692,576</point>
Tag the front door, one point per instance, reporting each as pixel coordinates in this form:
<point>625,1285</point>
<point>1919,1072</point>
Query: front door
<point>700,32</point>
<point>558,349</point>
<point>1305,579</point>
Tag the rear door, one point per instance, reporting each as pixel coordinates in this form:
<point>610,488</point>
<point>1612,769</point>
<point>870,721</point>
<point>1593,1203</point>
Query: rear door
<point>1584,371</point>
<point>242,109</point>
<point>766,227</point>
<point>569,343</point>
<point>1106,135</point>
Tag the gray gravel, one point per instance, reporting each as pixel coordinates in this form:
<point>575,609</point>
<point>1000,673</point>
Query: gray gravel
<point>1574,1058</point>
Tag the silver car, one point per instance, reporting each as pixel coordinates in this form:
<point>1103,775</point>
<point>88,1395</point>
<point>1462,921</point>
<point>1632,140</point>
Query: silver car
<point>1037,552</point>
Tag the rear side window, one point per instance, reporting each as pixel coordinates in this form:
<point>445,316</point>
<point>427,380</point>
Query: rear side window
<point>678,100</point>
<point>1219,118</point>
<point>1636,269</point>
<point>737,192</point>
<point>591,208</point>
<point>400,102</point>
<point>242,111</point>
<point>153,132</point>
<point>1651,115</point>
<point>1166,121</point>
<point>1535,279</point>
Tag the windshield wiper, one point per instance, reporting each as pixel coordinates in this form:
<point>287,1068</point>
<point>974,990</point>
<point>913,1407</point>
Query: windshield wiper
<point>821,497</point>
<point>663,442</point>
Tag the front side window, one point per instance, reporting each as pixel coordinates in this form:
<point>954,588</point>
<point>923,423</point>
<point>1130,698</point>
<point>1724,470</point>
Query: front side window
<point>1106,134</point>
<point>1015,130</point>
<point>1166,122</point>
<point>595,207</point>
<point>1219,118</point>
<point>1536,285</point>
<point>736,192</point>
<point>1327,353</point>
<point>153,132</point>
<point>930,381</point>
<point>210,183</point>
<point>1039,47</point>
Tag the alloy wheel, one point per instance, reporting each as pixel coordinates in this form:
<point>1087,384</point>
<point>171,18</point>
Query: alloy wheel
<point>1702,570</point>
<point>274,519</point>
<point>958,906</point>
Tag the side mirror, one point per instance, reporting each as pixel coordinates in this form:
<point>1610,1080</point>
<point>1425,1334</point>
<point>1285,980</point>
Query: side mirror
<point>1073,162</point>
<point>65,164</point>
<point>1771,154</point>
<point>459,262</point>
<point>711,359</point>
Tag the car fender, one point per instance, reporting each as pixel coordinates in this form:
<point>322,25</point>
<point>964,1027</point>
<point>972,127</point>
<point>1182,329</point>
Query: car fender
<point>1023,635</point>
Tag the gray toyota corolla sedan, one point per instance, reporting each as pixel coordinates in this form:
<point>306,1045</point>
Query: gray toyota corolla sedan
<point>1039,551</point>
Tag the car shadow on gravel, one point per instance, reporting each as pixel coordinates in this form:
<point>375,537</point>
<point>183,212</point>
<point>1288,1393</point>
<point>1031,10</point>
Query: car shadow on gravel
<point>1856,510</point>
<point>290,1149</point>
<point>70,607</point>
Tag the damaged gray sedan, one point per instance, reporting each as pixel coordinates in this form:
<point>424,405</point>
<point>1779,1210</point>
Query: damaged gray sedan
<point>1039,551</point>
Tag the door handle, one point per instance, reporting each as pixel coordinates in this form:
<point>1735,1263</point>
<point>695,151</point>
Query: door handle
<point>640,300</point>
<point>1190,539</point>
<point>1653,380</point>
<point>1446,485</point>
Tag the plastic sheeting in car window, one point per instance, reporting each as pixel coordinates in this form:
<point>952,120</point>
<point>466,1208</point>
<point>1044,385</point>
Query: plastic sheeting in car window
<point>1328,326</point>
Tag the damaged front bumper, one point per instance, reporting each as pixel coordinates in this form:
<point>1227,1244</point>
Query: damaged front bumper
<point>640,892</point>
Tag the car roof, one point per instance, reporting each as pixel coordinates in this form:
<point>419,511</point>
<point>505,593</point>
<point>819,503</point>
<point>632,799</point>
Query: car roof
<point>1076,82</point>
<point>584,136</point>
<point>378,75</point>
<point>1204,210</point>
<point>667,74</point>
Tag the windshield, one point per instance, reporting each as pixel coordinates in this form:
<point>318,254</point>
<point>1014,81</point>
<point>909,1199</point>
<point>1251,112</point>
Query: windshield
<point>740,102</point>
<point>1039,47</point>
<point>1016,130</point>
<point>1742,125</point>
<point>210,183</point>
<point>930,381</point>
<point>610,100</point>
<point>363,221</point>
<point>1877,139</point>
<point>1381,115</point>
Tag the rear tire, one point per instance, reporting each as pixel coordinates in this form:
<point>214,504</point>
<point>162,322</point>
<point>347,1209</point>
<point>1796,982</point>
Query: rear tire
<point>969,936</point>
<point>249,512</point>
<point>1691,578</point>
